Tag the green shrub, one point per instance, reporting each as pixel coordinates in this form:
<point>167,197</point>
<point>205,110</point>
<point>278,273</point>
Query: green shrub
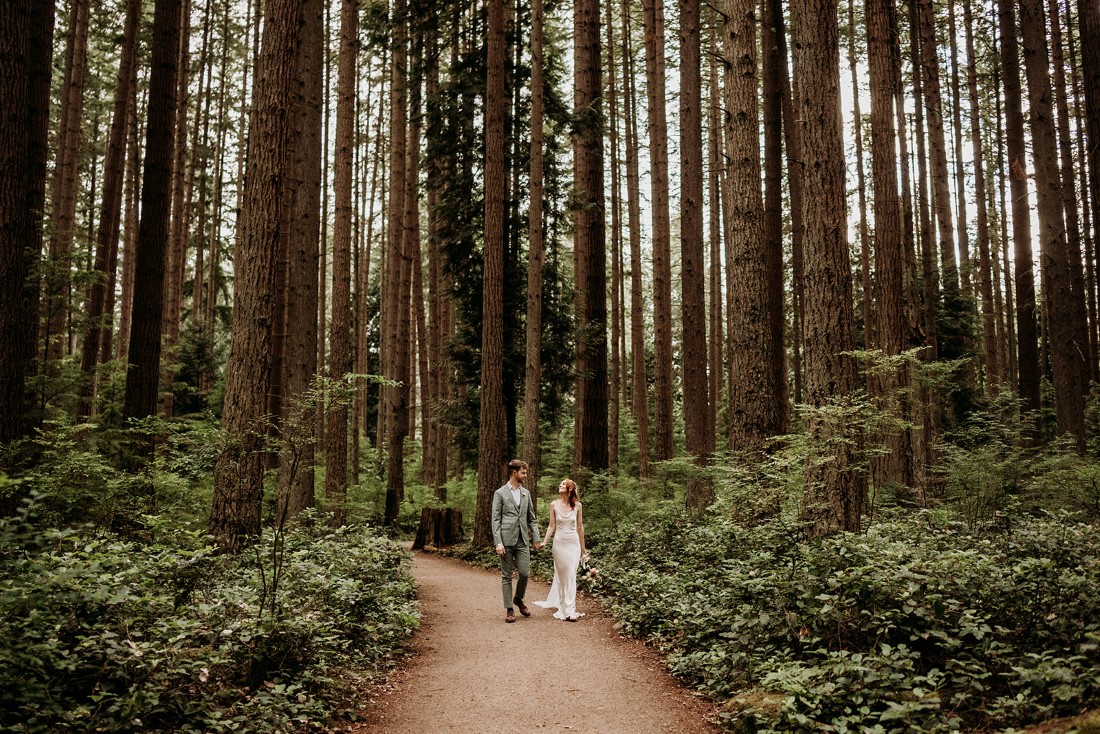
<point>909,627</point>
<point>110,635</point>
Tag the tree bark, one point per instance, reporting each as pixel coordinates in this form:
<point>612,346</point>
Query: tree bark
<point>129,236</point>
<point>896,467</point>
<point>792,142</point>
<point>588,236</point>
<point>492,436</point>
<point>296,473</point>
<point>835,490</point>
<point>393,417</point>
<point>184,164</point>
<point>698,431</point>
<point>1080,291</point>
<point>143,376</point>
<point>238,474</point>
<point>985,275</point>
<point>532,433</point>
<point>653,13</point>
<point>1027,332</point>
<point>110,210</point>
<point>58,280</point>
<point>616,242</point>
<point>754,405</point>
<point>336,444</point>
<point>639,392</point>
<point>870,339</point>
<point>1087,206</point>
<point>24,77</point>
<point>961,217</point>
<point>1065,289</point>
<point>1089,27</point>
<point>716,181</point>
<point>951,340</point>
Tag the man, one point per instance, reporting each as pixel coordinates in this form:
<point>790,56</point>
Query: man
<point>515,524</point>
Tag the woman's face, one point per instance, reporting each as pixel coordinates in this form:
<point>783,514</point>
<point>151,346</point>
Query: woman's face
<point>563,489</point>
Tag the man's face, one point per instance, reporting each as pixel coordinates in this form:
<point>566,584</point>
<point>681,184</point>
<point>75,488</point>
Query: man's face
<point>521,475</point>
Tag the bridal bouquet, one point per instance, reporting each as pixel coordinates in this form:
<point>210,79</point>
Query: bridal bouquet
<point>587,573</point>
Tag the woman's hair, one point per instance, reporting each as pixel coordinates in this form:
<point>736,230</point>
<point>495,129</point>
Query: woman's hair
<point>572,486</point>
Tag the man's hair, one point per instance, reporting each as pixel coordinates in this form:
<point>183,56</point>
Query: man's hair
<point>515,465</point>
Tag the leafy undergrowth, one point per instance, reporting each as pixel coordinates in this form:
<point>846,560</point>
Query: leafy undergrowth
<point>101,634</point>
<point>908,627</point>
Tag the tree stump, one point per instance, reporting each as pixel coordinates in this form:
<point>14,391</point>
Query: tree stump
<point>439,526</point>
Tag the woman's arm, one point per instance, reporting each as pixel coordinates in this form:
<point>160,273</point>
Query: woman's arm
<point>551,526</point>
<point>580,526</point>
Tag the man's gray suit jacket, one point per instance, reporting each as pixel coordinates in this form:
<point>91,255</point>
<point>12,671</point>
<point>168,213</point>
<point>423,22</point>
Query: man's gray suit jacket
<point>512,524</point>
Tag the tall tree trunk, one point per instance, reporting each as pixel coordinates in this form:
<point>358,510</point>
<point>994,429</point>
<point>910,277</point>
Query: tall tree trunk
<point>143,376</point>
<point>322,253</point>
<point>754,407</point>
<point>65,183</point>
<point>1011,359</point>
<point>238,474</point>
<point>835,490</point>
<point>1088,210</point>
<point>362,357</point>
<point>110,210</point>
<point>1089,26</point>
<point>296,474</point>
<point>1080,325</point>
<point>532,433</point>
<point>639,392</point>
<point>336,444</point>
<point>1027,332</point>
<point>616,242</point>
<point>1066,293</point>
<point>588,238</point>
<point>653,13</point>
<point>185,162</point>
<point>435,461</point>
<point>411,249</point>
<point>961,217</point>
<point>129,235</point>
<point>896,467</point>
<point>951,339</point>
<point>716,181</point>
<point>870,340</point>
<point>40,46</point>
<point>985,275</point>
<point>416,254</point>
<point>393,417</point>
<point>492,438</point>
<point>932,406</point>
<point>792,142</point>
<point>698,431</point>
<point>24,108</point>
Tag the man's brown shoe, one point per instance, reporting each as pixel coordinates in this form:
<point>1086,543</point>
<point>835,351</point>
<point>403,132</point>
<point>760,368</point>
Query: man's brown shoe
<point>522,607</point>
<point>510,616</point>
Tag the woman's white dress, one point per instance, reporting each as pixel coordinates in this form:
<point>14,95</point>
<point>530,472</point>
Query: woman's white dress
<point>567,558</point>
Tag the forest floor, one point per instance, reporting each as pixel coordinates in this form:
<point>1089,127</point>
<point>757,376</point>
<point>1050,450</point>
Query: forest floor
<point>472,672</point>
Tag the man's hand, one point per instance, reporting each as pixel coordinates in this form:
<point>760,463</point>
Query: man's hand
<point>540,546</point>
<point>500,550</point>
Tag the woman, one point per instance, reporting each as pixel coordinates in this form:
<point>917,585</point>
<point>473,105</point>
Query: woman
<point>567,527</point>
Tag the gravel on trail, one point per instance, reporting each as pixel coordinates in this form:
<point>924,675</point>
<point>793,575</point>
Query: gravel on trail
<point>472,672</point>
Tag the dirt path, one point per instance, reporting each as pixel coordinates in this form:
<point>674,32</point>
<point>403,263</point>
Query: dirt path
<point>472,672</point>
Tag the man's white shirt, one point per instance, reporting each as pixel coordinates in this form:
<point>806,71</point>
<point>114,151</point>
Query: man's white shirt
<point>516,494</point>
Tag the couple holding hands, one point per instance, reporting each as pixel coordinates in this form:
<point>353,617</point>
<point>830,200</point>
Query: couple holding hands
<point>515,528</point>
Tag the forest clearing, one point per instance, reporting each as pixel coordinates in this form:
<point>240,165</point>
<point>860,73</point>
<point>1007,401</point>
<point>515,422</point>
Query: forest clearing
<point>803,296</point>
